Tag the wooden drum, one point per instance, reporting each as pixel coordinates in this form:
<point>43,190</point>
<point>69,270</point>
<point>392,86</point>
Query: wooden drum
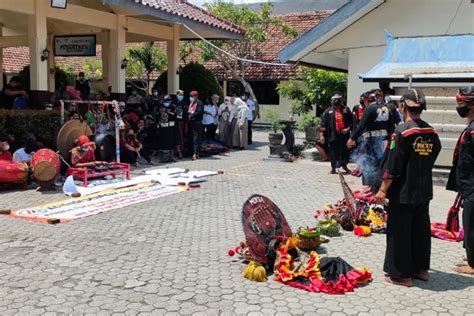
<point>13,172</point>
<point>46,165</point>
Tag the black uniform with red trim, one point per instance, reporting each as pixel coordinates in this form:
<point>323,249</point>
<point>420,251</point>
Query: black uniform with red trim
<point>333,122</point>
<point>357,113</point>
<point>461,179</point>
<point>408,162</point>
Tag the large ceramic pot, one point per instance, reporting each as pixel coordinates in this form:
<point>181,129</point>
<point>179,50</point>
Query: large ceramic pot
<point>275,139</point>
<point>312,134</point>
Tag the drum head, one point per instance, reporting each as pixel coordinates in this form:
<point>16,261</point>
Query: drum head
<point>262,220</point>
<point>70,132</point>
<point>45,171</point>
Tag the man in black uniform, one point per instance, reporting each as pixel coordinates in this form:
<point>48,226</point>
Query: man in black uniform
<point>83,85</point>
<point>375,127</point>
<point>336,124</point>
<point>461,178</point>
<point>406,179</point>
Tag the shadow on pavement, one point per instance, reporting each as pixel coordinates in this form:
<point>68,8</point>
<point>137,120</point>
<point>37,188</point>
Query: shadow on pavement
<point>443,281</point>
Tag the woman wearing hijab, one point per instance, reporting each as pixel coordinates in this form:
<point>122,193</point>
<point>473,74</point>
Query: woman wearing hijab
<point>224,113</point>
<point>239,137</point>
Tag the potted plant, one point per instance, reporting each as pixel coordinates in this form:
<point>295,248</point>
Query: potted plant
<point>310,125</point>
<point>272,116</point>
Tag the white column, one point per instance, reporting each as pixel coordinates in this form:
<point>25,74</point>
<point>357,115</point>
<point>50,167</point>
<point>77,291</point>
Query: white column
<point>37,39</point>
<point>51,65</point>
<point>173,61</point>
<point>105,61</point>
<point>117,54</point>
<point>1,59</point>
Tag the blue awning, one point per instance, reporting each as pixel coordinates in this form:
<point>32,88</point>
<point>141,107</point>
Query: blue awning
<point>447,58</point>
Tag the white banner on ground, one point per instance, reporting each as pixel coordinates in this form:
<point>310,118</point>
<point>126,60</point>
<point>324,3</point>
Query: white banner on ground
<point>71,209</point>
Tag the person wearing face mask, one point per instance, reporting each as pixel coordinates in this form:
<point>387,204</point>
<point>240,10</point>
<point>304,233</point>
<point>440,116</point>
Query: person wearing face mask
<point>336,124</point>
<point>83,155</point>
<point>195,114</point>
<point>461,177</point>
<point>134,99</point>
<point>240,139</point>
<point>224,113</point>
<point>405,178</point>
<point>181,119</point>
<point>209,120</point>
<point>250,115</point>
<point>375,127</point>
<point>4,147</point>
<point>83,85</point>
<point>166,119</point>
<point>153,102</point>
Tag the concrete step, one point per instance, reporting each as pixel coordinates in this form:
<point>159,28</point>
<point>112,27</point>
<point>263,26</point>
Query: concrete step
<point>442,117</point>
<point>449,130</point>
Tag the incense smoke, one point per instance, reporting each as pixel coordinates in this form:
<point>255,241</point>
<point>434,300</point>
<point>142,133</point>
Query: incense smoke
<point>368,156</point>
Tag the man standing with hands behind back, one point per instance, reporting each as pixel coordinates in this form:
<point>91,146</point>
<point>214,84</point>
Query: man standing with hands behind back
<point>461,178</point>
<point>407,181</point>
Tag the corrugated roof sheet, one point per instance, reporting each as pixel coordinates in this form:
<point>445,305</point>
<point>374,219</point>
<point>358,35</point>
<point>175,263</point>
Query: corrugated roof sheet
<point>429,58</point>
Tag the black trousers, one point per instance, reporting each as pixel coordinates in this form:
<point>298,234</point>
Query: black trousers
<point>249,132</point>
<point>210,131</point>
<point>338,151</point>
<point>196,129</point>
<point>468,225</point>
<point>131,157</point>
<point>408,239</point>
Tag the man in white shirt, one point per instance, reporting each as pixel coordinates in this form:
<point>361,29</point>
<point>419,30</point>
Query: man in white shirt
<point>24,154</point>
<point>250,115</point>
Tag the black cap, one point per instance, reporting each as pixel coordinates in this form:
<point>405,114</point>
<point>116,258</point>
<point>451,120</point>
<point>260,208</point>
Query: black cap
<point>467,91</point>
<point>416,96</point>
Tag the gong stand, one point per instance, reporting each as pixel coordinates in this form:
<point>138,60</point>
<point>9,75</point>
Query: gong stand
<point>118,117</point>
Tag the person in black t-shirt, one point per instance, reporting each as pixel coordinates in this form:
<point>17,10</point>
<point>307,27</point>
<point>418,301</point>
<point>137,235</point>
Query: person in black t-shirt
<point>406,179</point>
<point>83,85</point>
<point>10,92</point>
<point>375,127</point>
<point>336,125</point>
<point>461,178</point>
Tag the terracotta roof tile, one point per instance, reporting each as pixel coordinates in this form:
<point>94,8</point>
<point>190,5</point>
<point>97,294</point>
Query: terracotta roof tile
<point>16,58</point>
<point>187,10</point>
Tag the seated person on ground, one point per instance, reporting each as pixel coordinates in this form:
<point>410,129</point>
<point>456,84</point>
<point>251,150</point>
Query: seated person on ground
<point>4,147</point>
<point>132,149</point>
<point>83,155</point>
<point>27,150</point>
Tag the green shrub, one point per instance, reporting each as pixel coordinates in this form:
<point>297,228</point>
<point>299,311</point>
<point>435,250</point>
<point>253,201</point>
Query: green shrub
<point>62,77</point>
<point>44,125</point>
<point>308,120</point>
<point>193,76</point>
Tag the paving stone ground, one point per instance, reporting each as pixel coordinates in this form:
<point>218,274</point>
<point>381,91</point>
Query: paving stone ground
<point>169,256</point>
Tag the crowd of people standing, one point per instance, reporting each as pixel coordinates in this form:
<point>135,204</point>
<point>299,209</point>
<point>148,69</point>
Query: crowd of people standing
<point>175,126</point>
<point>395,151</point>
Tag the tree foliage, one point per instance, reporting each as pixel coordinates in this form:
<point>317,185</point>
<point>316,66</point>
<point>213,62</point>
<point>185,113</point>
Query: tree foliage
<point>63,76</point>
<point>193,76</point>
<point>143,60</point>
<point>92,68</point>
<point>259,27</point>
<point>312,87</point>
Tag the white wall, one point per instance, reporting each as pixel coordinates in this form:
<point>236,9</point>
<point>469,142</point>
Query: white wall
<point>364,41</point>
<point>361,60</point>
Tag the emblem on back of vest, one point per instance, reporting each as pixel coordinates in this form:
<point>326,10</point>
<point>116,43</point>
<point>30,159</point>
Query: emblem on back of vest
<point>422,147</point>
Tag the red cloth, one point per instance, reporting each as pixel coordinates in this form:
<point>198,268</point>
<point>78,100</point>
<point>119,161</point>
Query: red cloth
<point>133,117</point>
<point>360,112</point>
<point>6,155</point>
<point>192,107</point>
<point>339,120</point>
